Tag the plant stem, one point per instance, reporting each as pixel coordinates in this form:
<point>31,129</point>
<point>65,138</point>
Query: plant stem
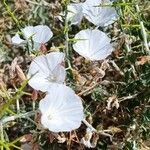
<point>11,14</point>
<point>143,31</point>
<point>66,30</point>
<point>89,125</point>
<point>11,118</point>
<point>1,135</point>
<point>127,47</point>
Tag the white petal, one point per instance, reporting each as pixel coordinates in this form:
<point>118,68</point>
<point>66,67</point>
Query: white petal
<point>37,46</point>
<point>45,70</point>
<point>99,16</point>
<point>93,44</point>
<point>54,59</point>
<point>39,65</point>
<point>60,74</point>
<point>61,109</point>
<point>17,40</point>
<point>39,82</point>
<point>42,34</point>
<point>93,2</point>
<point>75,14</point>
<point>46,63</point>
<point>28,31</point>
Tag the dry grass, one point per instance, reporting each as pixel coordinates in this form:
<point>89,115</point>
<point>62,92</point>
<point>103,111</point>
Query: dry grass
<point>115,92</point>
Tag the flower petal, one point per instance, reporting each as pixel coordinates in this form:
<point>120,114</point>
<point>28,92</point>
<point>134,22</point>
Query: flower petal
<point>39,82</point>
<point>61,109</point>
<point>28,31</point>
<point>42,34</point>
<point>46,70</point>
<point>39,65</point>
<point>60,74</point>
<point>93,44</point>
<point>75,14</point>
<point>99,15</point>
<point>17,40</point>
<point>54,59</point>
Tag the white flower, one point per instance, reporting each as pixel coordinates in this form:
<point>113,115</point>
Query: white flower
<point>40,35</point>
<point>93,44</point>
<point>75,14</point>
<point>99,15</point>
<point>61,109</point>
<point>46,70</point>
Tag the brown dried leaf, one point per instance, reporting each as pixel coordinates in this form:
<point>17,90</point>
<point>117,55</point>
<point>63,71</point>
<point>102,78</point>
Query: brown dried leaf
<point>114,129</point>
<point>105,65</point>
<point>43,49</point>
<point>80,79</point>
<point>2,23</point>
<point>26,138</point>
<point>90,139</point>
<point>20,73</point>
<point>21,5</point>
<point>112,102</point>
<point>142,60</point>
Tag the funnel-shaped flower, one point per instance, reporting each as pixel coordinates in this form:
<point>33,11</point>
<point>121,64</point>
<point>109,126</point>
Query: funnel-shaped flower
<point>45,70</point>
<point>39,34</point>
<point>75,14</point>
<point>61,109</point>
<point>93,44</point>
<point>99,15</point>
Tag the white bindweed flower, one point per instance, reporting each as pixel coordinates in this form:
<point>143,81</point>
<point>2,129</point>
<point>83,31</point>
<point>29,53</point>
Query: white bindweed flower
<point>75,14</point>
<point>40,34</point>
<point>46,70</point>
<point>93,44</point>
<point>99,15</point>
<point>61,109</point>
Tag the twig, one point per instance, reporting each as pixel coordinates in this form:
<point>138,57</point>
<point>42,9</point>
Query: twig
<point>147,106</point>
<point>116,67</point>
<point>105,134</point>
<point>127,97</point>
<point>102,132</point>
<point>89,125</point>
<point>90,88</point>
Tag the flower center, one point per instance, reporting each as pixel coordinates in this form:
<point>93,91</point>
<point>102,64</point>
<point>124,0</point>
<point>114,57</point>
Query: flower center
<point>49,117</point>
<point>52,78</point>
